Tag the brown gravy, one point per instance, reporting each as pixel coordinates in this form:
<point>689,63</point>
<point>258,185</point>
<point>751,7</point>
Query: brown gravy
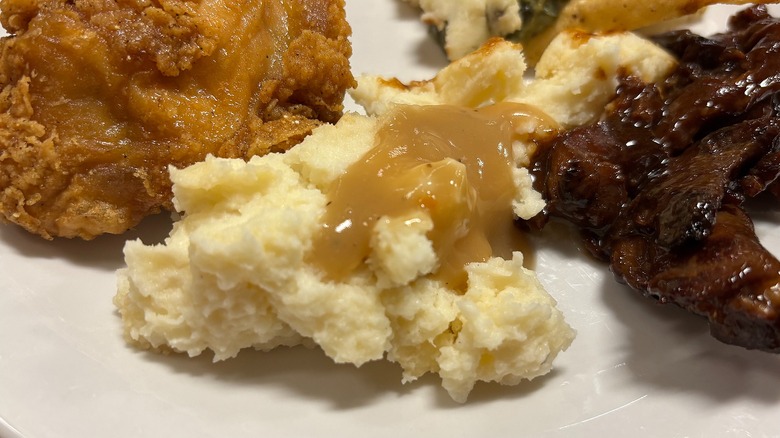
<point>451,163</point>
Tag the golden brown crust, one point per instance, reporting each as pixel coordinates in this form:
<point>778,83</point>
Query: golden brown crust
<point>618,15</point>
<point>99,97</point>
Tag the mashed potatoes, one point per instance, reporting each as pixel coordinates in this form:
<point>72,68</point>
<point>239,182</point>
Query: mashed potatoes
<point>573,80</point>
<point>233,274</point>
<point>236,273</point>
<point>465,25</point>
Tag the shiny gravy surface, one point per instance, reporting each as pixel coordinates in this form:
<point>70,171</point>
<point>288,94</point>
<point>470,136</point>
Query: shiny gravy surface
<point>453,164</point>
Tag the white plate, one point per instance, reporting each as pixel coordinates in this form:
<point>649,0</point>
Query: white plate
<point>636,369</point>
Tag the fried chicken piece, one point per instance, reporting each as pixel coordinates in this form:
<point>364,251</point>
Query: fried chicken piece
<point>615,16</point>
<point>99,97</point>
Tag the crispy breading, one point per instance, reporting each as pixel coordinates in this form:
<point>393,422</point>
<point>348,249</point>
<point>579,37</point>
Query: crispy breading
<point>619,15</point>
<point>99,97</point>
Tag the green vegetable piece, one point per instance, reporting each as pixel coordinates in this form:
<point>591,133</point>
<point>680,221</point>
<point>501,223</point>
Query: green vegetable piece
<point>537,15</point>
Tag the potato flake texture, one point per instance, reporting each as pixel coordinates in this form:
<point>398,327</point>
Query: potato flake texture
<point>233,274</point>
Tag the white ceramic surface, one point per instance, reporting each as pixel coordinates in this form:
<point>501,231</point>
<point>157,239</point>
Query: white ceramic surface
<point>636,369</point>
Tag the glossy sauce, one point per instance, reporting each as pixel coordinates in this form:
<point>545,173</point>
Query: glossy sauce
<point>658,184</point>
<point>450,163</point>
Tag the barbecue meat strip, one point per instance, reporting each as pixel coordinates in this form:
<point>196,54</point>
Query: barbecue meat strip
<point>729,278</point>
<point>657,186</point>
<point>99,97</point>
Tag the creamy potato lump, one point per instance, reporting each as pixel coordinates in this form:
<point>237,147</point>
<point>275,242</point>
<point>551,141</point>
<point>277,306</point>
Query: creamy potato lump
<point>464,25</point>
<point>573,80</point>
<point>383,236</point>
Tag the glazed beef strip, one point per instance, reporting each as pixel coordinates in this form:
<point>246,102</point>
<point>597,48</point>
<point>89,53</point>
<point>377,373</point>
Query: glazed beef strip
<point>657,186</point>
